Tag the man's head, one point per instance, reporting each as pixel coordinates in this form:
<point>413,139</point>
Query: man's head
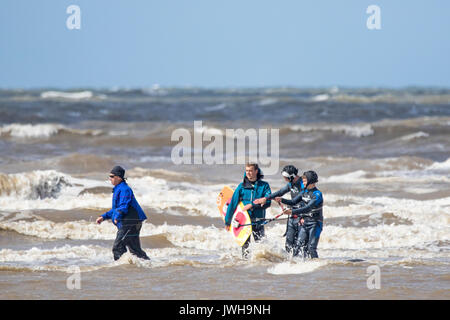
<point>251,171</point>
<point>117,175</point>
<point>289,173</point>
<point>310,178</point>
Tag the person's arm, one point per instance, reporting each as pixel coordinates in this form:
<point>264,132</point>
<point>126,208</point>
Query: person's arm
<point>278,193</point>
<point>125,197</point>
<point>232,206</point>
<point>270,196</point>
<point>107,215</point>
<point>294,201</point>
<point>267,194</point>
<point>306,211</point>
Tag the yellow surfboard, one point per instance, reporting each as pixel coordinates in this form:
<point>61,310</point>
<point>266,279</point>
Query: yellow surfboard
<point>241,228</point>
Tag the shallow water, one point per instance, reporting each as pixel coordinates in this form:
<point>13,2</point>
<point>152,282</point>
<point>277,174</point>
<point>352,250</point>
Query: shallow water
<point>383,159</point>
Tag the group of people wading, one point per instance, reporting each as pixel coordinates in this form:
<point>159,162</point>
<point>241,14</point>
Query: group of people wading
<point>304,210</point>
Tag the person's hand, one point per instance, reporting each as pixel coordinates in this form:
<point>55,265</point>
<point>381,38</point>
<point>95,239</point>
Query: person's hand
<point>227,228</point>
<point>247,207</point>
<point>99,220</point>
<point>302,221</point>
<point>288,211</point>
<point>260,201</point>
<point>278,199</point>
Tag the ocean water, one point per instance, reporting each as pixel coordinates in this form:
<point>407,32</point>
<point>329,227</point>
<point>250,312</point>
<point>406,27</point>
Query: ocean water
<point>382,156</point>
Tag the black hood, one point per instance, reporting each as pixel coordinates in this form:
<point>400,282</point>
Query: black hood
<point>247,184</point>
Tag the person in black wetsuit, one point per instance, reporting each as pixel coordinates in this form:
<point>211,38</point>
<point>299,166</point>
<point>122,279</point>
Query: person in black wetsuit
<point>295,187</point>
<point>310,214</point>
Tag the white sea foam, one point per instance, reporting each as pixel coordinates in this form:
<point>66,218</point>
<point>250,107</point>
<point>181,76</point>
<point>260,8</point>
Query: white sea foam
<point>197,245</point>
<point>436,211</point>
<point>427,225</point>
<point>31,130</point>
<point>93,257</point>
<point>155,90</point>
<point>209,131</point>
<point>421,234</point>
<point>155,159</point>
<point>65,252</point>
<point>33,185</point>
<point>445,165</point>
<point>53,190</point>
<point>355,130</point>
<point>76,230</point>
<point>321,97</point>
<point>267,101</point>
<point>420,190</point>
<point>432,173</point>
<point>381,237</point>
<point>296,267</point>
<point>346,178</point>
<point>58,191</point>
<point>44,130</point>
<point>414,136</point>
<point>187,236</point>
<point>67,95</point>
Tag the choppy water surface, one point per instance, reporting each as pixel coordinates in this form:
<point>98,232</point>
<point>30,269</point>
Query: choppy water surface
<point>383,159</point>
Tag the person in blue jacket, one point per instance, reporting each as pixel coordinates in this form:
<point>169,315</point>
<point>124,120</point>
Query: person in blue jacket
<point>295,187</point>
<point>126,214</point>
<point>247,191</point>
<point>310,214</point>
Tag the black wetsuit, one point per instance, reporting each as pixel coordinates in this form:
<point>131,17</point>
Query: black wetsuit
<point>311,204</point>
<point>292,223</point>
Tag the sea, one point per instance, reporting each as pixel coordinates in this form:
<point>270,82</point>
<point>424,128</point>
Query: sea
<point>382,156</point>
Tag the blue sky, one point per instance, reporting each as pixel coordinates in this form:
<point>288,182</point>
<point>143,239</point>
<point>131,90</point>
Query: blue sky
<point>211,43</point>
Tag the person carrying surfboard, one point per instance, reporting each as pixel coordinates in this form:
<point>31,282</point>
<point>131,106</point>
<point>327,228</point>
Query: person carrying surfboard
<point>251,188</point>
<point>295,187</point>
<point>310,214</point>
<point>126,214</point>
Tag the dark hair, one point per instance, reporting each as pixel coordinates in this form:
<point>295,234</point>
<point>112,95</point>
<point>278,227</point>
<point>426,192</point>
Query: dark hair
<point>290,169</point>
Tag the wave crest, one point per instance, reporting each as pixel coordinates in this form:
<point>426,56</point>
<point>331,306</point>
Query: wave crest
<point>45,130</point>
<point>67,95</point>
<point>33,185</point>
<point>355,130</point>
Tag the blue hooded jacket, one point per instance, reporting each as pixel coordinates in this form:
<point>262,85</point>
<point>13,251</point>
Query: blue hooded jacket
<point>247,193</point>
<point>124,207</point>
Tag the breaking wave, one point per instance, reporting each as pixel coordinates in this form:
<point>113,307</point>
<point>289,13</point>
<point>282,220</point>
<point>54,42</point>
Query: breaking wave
<point>356,130</point>
<point>33,185</point>
<point>41,130</point>
<point>67,95</point>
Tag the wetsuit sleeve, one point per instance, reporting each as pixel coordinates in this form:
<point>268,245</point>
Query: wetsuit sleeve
<point>292,202</point>
<point>278,193</point>
<point>233,205</point>
<point>305,211</point>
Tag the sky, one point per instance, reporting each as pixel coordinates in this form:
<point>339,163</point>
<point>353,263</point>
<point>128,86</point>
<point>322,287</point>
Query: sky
<point>233,43</point>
